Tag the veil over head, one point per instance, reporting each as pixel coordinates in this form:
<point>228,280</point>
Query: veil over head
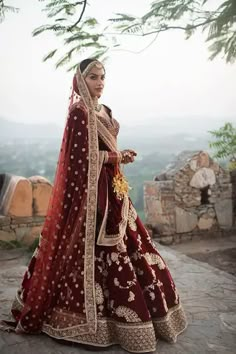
<point>61,276</point>
<point>69,228</point>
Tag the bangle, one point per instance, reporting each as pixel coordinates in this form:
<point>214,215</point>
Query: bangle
<point>120,157</point>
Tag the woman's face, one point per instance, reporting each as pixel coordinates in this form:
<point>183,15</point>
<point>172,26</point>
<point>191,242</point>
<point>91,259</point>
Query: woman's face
<point>95,81</point>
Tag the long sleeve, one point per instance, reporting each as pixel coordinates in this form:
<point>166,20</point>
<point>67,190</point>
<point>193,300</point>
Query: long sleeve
<point>112,157</point>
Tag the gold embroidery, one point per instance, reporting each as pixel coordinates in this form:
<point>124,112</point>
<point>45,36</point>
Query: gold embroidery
<point>99,294</point>
<point>110,123</point>
<point>121,247</point>
<point>164,301</point>
<point>120,185</point>
<point>114,257</point>
<point>93,170</point>
<point>134,337</point>
<point>132,218</point>
<point>131,296</point>
<point>129,282</point>
<point>127,313</point>
<point>105,239</point>
<point>153,258</point>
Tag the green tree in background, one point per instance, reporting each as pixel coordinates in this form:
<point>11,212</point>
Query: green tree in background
<point>80,33</point>
<point>225,144</point>
<point>5,8</point>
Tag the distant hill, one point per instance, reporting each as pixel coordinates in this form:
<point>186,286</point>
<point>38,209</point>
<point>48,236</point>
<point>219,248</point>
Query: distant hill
<point>14,130</point>
<point>169,135</point>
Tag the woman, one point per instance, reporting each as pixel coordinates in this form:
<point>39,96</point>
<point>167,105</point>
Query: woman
<point>96,277</point>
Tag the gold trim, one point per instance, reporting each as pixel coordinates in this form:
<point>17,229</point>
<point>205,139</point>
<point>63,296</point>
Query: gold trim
<point>106,136</point>
<point>103,238</point>
<point>93,173</point>
<point>111,240</point>
<point>96,63</point>
<point>135,337</point>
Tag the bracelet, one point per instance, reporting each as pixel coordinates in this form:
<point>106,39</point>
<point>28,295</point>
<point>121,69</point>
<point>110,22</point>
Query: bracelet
<point>125,154</point>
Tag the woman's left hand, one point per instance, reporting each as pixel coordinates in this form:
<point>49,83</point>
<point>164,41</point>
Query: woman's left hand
<point>128,156</point>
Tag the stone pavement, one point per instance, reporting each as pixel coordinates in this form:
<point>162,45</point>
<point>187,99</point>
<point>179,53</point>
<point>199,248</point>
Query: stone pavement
<point>208,295</point>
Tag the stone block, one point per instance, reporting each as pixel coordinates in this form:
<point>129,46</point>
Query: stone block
<point>6,228</point>
<point>33,234</point>
<point>185,221</point>
<point>203,160</point>
<point>38,219</point>
<point>22,232</point>
<point>151,189</point>
<point>186,237</point>
<point>154,206</point>
<point>164,224</point>
<point>167,241</point>
<point>7,236</point>
<point>42,190</point>
<point>193,165</point>
<point>21,220</point>
<point>4,220</point>
<point>202,178</point>
<point>215,167</point>
<point>205,224</point>
<point>224,212</point>
<point>21,202</point>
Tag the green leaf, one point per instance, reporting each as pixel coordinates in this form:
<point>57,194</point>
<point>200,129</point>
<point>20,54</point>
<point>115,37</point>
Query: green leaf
<point>50,55</point>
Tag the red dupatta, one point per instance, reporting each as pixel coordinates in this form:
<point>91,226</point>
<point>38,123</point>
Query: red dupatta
<point>69,229</point>
<point>58,290</point>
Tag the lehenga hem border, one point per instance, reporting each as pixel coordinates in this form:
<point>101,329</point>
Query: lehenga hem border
<point>103,345</point>
<point>133,337</point>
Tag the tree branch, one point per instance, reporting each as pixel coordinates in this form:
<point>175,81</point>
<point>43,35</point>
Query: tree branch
<point>186,28</point>
<point>81,15</point>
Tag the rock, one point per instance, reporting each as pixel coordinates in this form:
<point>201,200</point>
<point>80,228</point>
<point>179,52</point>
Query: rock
<point>186,237</point>
<point>205,224</point>
<point>22,232</point>
<point>21,202</point>
<point>202,178</point>
<point>161,177</point>
<point>185,221</point>
<point>203,160</point>
<point>4,220</point>
<point>166,240</point>
<point>215,167</point>
<point>42,190</point>
<point>21,220</point>
<point>154,206</point>
<point>193,165</point>
<point>224,212</point>
<point>33,234</point>
<point>7,236</point>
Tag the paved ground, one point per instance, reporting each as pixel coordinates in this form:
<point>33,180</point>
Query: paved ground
<point>218,252</point>
<point>208,295</point>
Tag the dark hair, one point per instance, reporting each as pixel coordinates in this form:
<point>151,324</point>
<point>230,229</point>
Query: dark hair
<point>84,63</point>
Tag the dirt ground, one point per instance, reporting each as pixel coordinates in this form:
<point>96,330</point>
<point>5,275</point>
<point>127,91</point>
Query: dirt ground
<point>219,253</point>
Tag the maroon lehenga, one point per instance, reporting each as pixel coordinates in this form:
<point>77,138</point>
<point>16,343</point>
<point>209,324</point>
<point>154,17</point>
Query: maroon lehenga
<point>96,276</point>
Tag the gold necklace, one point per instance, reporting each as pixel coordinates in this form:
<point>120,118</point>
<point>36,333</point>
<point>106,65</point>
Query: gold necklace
<point>97,106</point>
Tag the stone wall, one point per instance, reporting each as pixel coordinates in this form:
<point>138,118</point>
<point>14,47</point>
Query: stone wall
<point>233,181</point>
<point>24,208</point>
<point>22,229</point>
<point>193,197</point>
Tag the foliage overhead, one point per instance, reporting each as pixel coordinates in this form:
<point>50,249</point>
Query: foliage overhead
<point>225,143</point>
<point>81,33</point>
<point>4,9</point>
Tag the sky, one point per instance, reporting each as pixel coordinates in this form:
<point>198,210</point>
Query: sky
<point>172,80</point>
